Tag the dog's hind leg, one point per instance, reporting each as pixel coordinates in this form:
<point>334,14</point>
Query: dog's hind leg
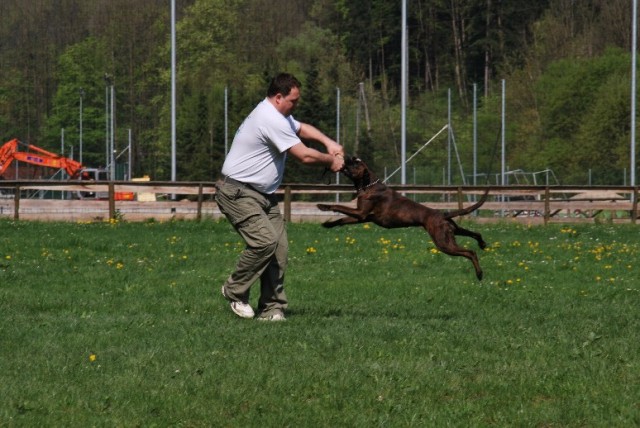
<point>461,231</point>
<point>445,241</point>
<point>462,252</point>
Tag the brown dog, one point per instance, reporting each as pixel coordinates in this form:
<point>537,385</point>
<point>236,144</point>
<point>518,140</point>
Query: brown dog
<point>385,207</point>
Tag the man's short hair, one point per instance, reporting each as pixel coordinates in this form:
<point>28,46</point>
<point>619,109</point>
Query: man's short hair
<point>282,84</point>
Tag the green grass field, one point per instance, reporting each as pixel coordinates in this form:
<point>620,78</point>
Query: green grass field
<point>122,324</point>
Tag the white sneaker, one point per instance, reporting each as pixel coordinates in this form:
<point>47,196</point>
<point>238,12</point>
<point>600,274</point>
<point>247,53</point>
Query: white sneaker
<point>275,317</point>
<point>243,310</point>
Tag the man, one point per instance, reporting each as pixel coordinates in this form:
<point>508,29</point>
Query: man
<point>252,172</point>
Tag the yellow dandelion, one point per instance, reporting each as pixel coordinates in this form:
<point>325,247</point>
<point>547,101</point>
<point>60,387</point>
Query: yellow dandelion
<point>92,357</point>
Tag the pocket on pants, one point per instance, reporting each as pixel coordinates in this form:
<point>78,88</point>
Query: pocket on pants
<point>235,204</point>
<point>257,231</point>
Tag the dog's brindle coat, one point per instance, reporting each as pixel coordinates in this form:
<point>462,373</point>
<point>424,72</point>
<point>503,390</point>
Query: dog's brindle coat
<point>385,207</point>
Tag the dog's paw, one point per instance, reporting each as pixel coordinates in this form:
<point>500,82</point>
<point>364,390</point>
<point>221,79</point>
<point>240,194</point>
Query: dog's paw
<point>482,245</point>
<point>324,207</point>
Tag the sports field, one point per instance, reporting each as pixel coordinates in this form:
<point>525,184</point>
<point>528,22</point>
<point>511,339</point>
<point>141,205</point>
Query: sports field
<point>122,324</point>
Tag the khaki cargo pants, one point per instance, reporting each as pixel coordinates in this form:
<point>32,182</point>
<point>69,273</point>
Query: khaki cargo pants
<point>257,218</point>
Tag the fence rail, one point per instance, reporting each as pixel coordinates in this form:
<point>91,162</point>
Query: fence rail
<point>69,200</point>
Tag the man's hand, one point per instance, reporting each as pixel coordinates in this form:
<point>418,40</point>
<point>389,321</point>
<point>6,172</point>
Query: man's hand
<point>335,149</point>
<point>338,162</point>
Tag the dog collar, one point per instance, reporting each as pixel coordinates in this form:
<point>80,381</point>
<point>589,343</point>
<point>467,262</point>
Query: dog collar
<point>362,189</point>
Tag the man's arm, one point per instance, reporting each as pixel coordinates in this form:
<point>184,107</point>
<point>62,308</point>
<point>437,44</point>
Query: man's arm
<point>311,156</point>
<point>310,132</point>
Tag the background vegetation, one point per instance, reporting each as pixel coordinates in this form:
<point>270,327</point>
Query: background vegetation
<point>566,65</point>
<point>122,324</point>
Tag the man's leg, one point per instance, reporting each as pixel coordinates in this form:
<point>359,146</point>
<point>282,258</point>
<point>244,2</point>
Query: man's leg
<point>245,209</point>
<point>272,295</point>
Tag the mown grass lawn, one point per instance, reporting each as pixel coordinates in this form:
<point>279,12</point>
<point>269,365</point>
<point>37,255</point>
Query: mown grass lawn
<point>122,324</point>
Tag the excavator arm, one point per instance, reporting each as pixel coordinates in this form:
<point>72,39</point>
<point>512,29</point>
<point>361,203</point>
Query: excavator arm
<point>36,156</point>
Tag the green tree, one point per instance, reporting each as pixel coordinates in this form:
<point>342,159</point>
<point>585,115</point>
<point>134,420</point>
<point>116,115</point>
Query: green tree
<point>313,109</point>
<point>194,137</point>
<point>583,110</point>
<point>80,75</point>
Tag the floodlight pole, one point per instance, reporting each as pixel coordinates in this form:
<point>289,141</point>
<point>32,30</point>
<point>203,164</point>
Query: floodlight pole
<point>173,90</point>
<point>112,129</point>
<point>449,137</point>
<point>226,121</point>
<point>403,98</point>
<point>634,37</point>
<point>337,135</point>
<point>503,157</point>
<point>129,169</point>
<point>106,120</point>
<point>81,97</point>
<point>475,134</point>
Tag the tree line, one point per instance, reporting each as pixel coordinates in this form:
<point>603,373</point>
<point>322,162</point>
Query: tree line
<point>566,65</point>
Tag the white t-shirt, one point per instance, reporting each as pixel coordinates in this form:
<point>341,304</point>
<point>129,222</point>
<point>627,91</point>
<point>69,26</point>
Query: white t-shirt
<point>259,149</point>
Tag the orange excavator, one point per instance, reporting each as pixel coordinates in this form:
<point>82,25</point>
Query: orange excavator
<point>33,155</point>
<point>37,156</point>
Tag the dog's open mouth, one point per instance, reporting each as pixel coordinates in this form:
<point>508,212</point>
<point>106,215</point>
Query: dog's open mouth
<point>349,164</point>
<point>346,170</point>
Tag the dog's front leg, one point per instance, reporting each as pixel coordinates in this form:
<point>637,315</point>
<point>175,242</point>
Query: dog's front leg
<point>340,222</point>
<point>355,215</point>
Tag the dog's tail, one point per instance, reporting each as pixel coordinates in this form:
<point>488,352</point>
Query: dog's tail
<point>469,209</point>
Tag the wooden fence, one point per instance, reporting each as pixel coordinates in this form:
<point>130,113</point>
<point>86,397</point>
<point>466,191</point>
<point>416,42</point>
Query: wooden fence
<point>69,201</point>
